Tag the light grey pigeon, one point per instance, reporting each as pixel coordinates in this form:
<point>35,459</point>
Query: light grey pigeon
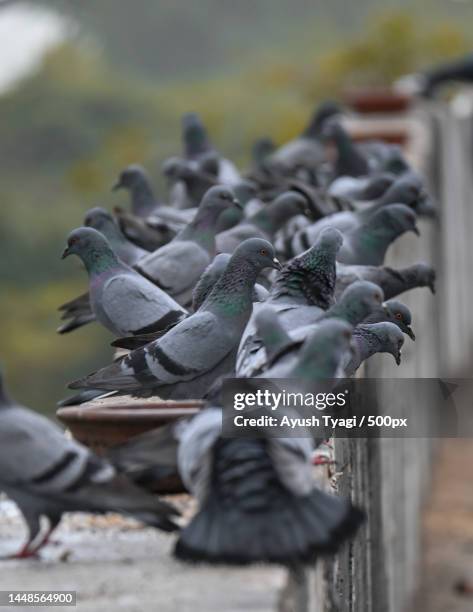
<point>306,150</point>
<point>200,343</point>
<point>258,501</point>
<point>101,220</point>
<point>356,303</point>
<point>384,337</point>
<point>122,300</point>
<point>47,474</point>
<point>394,312</point>
<point>177,266</point>
<point>367,244</point>
<point>265,223</point>
<point>404,190</point>
<point>392,282</point>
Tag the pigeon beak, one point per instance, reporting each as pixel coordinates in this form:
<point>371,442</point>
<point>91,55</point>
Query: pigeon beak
<point>410,333</point>
<point>385,308</point>
<point>398,358</point>
<point>416,231</point>
<point>117,185</point>
<point>277,264</point>
<point>237,203</point>
<point>65,253</point>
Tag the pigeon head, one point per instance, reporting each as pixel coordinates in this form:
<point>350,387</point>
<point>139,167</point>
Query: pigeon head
<point>390,337</point>
<point>334,133</point>
<point>272,333</point>
<point>407,189</point>
<point>92,247</point>
<point>245,191</point>
<point>98,218</point>
<point>177,169</point>
<point>395,219</point>
<point>194,135</point>
<point>291,203</point>
<point>271,218</point>
<point>258,253</point>
<point>327,110</point>
<point>399,314</point>
<point>323,350</point>
<point>358,301</point>
<point>378,186</point>
<point>219,198</point>
<point>330,240</point>
<point>262,149</point>
<point>131,177</point>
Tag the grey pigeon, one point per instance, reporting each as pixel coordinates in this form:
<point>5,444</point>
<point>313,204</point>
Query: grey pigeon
<point>101,220</point>
<point>47,474</point>
<point>211,275</point>
<point>349,160</point>
<point>392,282</point>
<point>367,244</point>
<point>246,193</point>
<point>394,312</point>
<point>265,223</point>
<point>196,145</point>
<point>306,150</point>
<point>361,189</point>
<point>258,501</point>
<point>384,337</point>
<point>200,343</point>
<point>121,299</point>
<point>177,266</point>
<point>135,180</point>
<point>356,303</point>
<point>405,190</point>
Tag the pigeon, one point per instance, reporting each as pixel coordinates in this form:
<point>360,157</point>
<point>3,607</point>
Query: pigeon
<point>196,145</point>
<point>122,300</point>
<point>211,275</point>
<point>101,220</point>
<point>47,474</point>
<point>367,244</point>
<point>246,193</point>
<point>361,189</point>
<point>187,183</point>
<point>394,312</point>
<point>265,223</point>
<point>406,190</point>
<point>135,180</point>
<point>177,267</point>
<point>428,83</point>
<point>306,150</point>
<point>356,303</point>
<point>198,344</point>
<point>258,501</point>
<point>148,234</point>
<point>349,160</point>
<point>392,282</point>
<point>384,337</point>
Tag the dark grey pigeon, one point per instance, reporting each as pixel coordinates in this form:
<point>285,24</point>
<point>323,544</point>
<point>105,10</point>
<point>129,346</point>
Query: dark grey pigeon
<point>349,159</point>
<point>367,244</point>
<point>394,312</point>
<point>187,183</point>
<point>47,474</point>
<point>258,501</point>
<point>392,282</point>
<point>265,223</point>
<point>196,145</point>
<point>306,150</point>
<point>368,339</point>
<point>122,300</point>
<point>101,220</point>
<point>199,344</point>
<point>177,267</point>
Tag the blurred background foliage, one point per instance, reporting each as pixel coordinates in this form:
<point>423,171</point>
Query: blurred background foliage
<point>112,94</point>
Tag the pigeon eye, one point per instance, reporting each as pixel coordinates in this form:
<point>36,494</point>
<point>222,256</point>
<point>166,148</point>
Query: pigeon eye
<point>263,252</point>
<point>398,315</point>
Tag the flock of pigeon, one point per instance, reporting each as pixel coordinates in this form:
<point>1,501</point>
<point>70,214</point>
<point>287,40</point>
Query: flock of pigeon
<point>278,273</point>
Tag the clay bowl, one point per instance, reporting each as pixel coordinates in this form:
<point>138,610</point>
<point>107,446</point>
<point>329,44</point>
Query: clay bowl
<point>101,424</point>
<point>369,100</point>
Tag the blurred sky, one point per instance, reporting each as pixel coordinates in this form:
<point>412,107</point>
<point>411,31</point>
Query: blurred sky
<point>25,34</point>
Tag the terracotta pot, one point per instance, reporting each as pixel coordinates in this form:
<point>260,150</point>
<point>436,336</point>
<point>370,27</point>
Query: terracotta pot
<point>102,424</point>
